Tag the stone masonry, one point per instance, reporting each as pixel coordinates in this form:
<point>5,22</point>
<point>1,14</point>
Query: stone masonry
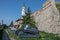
<point>48,19</point>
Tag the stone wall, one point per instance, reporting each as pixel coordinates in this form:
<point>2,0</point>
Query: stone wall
<point>47,19</point>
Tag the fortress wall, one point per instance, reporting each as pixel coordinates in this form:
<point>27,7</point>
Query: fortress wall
<point>47,18</point>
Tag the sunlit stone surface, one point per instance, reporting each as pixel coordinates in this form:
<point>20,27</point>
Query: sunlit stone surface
<point>47,19</point>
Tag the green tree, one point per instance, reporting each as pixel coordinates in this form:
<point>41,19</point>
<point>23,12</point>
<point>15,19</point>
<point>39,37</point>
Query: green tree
<point>28,20</point>
<point>4,26</point>
<point>11,24</point>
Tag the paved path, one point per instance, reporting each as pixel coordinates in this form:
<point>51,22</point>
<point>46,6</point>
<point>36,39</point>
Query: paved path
<point>5,36</point>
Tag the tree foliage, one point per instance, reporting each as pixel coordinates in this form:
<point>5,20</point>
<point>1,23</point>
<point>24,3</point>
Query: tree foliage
<point>11,24</point>
<point>28,19</point>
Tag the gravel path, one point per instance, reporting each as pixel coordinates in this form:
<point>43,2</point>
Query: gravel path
<point>5,36</point>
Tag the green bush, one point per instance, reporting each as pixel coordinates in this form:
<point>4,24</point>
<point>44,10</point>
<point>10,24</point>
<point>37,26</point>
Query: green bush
<point>1,34</point>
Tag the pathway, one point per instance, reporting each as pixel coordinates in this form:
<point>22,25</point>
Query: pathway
<point>5,36</point>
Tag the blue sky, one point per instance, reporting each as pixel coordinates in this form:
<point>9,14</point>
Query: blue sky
<point>10,10</point>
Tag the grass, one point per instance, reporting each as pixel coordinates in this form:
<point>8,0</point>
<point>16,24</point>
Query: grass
<point>43,36</point>
<point>12,35</point>
<point>48,36</point>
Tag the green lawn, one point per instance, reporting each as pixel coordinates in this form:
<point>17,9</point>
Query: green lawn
<point>44,36</point>
<point>48,36</point>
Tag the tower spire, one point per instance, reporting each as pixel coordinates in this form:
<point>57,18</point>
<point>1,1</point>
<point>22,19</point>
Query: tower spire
<point>23,10</point>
